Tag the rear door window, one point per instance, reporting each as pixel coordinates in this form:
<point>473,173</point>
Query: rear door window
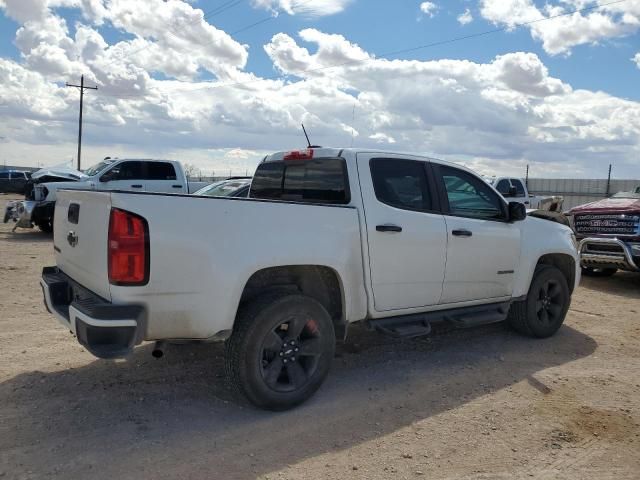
<point>4,175</point>
<point>127,171</point>
<point>160,171</point>
<point>401,183</point>
<point>322,180</point>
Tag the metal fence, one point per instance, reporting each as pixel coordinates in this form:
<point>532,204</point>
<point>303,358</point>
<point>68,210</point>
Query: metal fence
<point>579,191</point>
<point>17,167</point>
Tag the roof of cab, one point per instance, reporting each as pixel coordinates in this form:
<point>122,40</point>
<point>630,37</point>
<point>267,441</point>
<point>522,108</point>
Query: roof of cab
<point>332,152</point>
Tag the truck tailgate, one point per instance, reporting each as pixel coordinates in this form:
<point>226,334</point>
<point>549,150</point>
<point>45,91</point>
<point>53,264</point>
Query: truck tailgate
<point>80,232</point>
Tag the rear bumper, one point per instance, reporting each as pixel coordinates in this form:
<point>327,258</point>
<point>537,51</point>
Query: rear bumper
<point>104,329</point>
<point>599,252</point>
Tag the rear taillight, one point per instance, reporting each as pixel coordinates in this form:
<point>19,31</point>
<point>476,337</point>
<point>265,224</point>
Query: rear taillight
<point>128,248</point>
<point>299,155</point>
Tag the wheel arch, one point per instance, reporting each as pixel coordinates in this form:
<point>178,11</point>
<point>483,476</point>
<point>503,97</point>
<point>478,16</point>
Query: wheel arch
<point>563,262</point>
<point>319,282</point>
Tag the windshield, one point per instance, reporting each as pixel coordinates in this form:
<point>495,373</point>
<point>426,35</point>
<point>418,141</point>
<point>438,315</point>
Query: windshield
<point>222,189</point>
<point>96,169</point>
<point>627,195</point>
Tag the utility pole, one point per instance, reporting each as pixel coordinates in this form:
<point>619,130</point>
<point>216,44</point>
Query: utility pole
<point>82,89</point>
<point>526,178</point>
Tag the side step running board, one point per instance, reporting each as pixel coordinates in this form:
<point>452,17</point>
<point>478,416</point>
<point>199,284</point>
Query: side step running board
<point>420,324</point>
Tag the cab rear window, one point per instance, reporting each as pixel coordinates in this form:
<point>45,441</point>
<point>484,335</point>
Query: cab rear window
<point>322,180</point>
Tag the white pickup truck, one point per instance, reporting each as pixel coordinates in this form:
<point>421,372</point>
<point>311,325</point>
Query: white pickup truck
<point>149,175</point>
<point>327,237</point>
<point>515,189</point>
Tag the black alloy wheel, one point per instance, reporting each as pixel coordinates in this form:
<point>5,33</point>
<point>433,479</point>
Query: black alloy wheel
<point>280,350</point>
<point>290,354</point>
<point>550,302</point>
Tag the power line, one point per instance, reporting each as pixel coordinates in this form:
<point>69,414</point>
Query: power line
<point>82,89</point>
<point>426,45</point>
<point>408,49</point>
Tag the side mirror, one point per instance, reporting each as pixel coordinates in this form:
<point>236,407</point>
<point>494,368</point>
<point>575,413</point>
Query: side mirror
<point>517,212</point>
<point>512,191</point>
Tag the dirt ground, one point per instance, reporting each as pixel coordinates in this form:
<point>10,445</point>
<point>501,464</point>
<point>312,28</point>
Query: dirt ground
<point>482,403</point>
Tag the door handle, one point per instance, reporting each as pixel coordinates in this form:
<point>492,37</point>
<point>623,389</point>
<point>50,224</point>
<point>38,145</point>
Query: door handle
<point>176,186</point>
<point>136,186</point>
<point>461,233</point>
<point>388,228</point>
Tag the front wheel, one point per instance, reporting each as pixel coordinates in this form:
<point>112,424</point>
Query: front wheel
<point>546,306</point>
<point>280,350</point>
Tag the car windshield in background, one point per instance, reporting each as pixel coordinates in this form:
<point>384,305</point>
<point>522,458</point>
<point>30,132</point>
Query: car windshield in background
<point>99,167</point>
<point>226,188</point>
<point>627,195</point>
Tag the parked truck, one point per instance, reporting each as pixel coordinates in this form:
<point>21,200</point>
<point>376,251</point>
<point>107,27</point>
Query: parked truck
<point>609,234</point>
<point>515,189</point>
<point>164,176</point>
<point>326,238</point>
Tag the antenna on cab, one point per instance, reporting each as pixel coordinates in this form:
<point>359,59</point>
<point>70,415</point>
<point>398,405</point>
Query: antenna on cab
<point>307,137</point>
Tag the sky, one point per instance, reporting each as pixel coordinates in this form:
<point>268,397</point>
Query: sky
<point>493,84</point>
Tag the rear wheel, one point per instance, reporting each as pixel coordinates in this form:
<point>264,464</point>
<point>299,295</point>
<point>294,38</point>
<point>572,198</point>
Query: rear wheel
<point>546,306</point>
<point>598,272</point>
<point>280,350</point>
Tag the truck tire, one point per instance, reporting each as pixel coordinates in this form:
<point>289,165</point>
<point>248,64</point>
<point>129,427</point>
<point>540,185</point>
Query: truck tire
<point>280,350</point>
<point>546,305</point>
<point>598,272</point>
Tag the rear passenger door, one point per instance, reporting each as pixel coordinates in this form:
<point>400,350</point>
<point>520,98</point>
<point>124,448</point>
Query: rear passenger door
<point>406,234</point>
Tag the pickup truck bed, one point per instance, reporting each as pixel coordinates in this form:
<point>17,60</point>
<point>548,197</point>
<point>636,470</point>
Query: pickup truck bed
<point>196,280</point>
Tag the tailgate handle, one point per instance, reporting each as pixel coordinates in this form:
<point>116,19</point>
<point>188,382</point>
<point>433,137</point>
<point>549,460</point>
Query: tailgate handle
<point>136,186</point>
<point>73,214</point>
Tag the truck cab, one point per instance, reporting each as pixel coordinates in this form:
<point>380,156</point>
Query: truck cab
<point>163,176</point>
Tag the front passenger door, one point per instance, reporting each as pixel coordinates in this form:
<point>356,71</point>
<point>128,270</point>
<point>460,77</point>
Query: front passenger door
<point>482,247</point>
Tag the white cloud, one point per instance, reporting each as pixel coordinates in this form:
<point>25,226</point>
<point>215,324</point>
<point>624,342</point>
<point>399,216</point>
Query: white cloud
<point>380,137</point>
<point>313,8</point>
<point>429,8</point>
<point>636,59</point>
<point>465,17</point>
<point>560,35</point>
<point>501,114</point>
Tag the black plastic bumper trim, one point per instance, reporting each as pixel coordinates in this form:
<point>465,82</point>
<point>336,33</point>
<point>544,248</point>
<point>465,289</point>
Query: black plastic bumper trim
<point>102,341</point>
